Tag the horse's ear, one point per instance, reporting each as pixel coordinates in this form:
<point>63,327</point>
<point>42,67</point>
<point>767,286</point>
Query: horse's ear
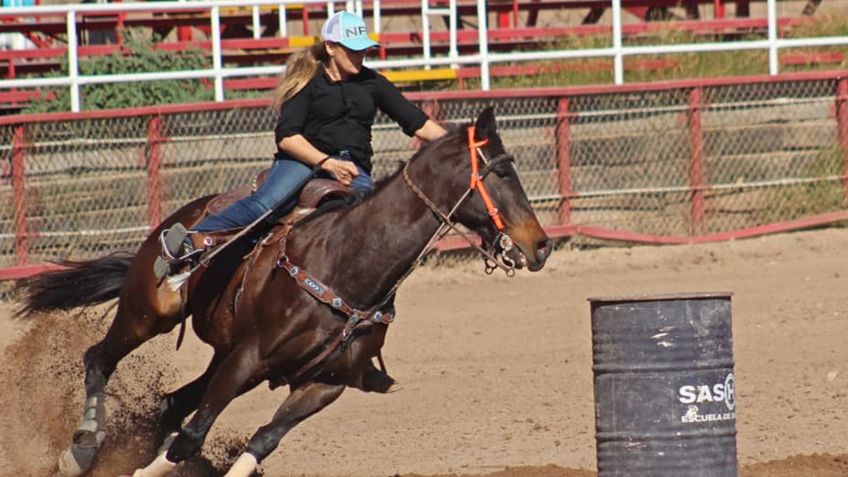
<point>485,125</point>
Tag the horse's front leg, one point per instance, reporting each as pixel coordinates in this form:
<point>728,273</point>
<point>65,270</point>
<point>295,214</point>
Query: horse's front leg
<point>303,402</point>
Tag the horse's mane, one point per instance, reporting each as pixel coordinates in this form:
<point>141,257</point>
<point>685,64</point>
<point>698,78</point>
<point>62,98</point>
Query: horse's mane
<point>454,132</point>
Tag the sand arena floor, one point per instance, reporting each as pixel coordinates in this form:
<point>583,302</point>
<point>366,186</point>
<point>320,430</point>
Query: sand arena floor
<point>495,372</point>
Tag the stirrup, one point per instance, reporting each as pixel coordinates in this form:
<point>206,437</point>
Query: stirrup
<point>177,251</point>
<point>173,241</point>
<point>161,268</point>
<point>176,270</point>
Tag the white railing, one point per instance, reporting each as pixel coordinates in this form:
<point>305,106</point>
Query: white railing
<point>451,13</point>
<point>617,51</point>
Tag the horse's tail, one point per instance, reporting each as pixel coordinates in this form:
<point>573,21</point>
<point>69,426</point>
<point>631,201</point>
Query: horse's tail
<point>77,284</point>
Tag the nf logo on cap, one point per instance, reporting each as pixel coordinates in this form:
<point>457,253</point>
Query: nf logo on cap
<point>349,30</point>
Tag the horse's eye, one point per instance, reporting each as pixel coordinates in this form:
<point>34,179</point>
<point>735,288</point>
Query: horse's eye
<point>505,171</point>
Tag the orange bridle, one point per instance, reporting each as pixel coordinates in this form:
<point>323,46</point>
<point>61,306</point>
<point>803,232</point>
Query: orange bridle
<point>502,240</point>
<point>477,180</point>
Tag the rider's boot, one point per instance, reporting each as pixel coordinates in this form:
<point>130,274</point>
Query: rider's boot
<point>178,251</point>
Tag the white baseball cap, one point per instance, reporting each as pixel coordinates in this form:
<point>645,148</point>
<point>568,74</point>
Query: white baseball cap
<point>349,30</point>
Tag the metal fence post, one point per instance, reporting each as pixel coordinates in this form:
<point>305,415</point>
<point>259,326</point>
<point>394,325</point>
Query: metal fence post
<point>73,60</point>
<point>842,124</point>
<point>618,57</point>
<point>483,42</point>
<point>19,193</point>
<point>564,160</point>
<point>154,162</point>
<point>217,61</point>
<point>696,171</point>
<point>774,64</point>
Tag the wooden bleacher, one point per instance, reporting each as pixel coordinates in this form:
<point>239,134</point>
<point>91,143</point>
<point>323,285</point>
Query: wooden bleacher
<point>242,49</point>
<point>250,51</point>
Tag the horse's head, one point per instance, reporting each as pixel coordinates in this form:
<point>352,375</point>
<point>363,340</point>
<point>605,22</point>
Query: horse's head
<point>496,207</point>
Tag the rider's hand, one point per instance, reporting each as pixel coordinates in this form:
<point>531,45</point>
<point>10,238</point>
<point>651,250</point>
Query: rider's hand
<point>343,171</point>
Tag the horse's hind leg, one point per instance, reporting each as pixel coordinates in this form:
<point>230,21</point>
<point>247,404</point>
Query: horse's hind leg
<point>128,331</point>
<point>303,402</point>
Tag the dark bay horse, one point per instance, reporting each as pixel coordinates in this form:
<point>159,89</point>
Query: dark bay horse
<point>263,316</point>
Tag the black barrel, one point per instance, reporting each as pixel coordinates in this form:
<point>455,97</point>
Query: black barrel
<point>665,395</point>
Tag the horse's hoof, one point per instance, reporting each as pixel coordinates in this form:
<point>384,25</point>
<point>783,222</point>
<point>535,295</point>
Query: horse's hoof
<point>376,380</point>
<point>160,467</point>
<point>69,466</point>
<point>166,443</point>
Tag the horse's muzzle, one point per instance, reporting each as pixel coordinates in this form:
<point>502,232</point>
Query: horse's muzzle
<point>529,253</point>
<point>538,255</point>
<point>543,251</point>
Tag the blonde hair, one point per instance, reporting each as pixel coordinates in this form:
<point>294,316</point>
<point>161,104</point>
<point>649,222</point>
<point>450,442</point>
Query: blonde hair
<point>300,68</point>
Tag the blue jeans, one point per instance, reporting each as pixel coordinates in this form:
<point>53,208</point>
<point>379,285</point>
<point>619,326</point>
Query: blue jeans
<point>284,181</point>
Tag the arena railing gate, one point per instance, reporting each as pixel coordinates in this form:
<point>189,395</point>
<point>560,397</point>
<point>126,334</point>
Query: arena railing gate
<point>669,163</point>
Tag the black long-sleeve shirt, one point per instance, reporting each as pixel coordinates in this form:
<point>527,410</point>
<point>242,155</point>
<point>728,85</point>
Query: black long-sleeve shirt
<point>337,115</point>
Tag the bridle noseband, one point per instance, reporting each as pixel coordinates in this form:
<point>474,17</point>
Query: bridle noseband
<point>502,239</point>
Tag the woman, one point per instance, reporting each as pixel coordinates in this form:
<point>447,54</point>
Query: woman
<point>327,102</point>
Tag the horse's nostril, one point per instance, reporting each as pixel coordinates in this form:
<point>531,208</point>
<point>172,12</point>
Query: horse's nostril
<point>543,249</point>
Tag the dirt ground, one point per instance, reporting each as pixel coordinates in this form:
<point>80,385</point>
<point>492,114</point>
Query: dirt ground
<point>495,372</point>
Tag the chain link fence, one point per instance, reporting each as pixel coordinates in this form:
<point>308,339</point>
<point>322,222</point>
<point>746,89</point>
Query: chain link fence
<point>670,164</point>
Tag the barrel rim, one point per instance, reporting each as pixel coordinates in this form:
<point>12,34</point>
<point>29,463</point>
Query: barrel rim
<point>660,297</point>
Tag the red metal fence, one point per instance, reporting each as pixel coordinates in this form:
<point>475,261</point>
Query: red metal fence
<point>665,163</point>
